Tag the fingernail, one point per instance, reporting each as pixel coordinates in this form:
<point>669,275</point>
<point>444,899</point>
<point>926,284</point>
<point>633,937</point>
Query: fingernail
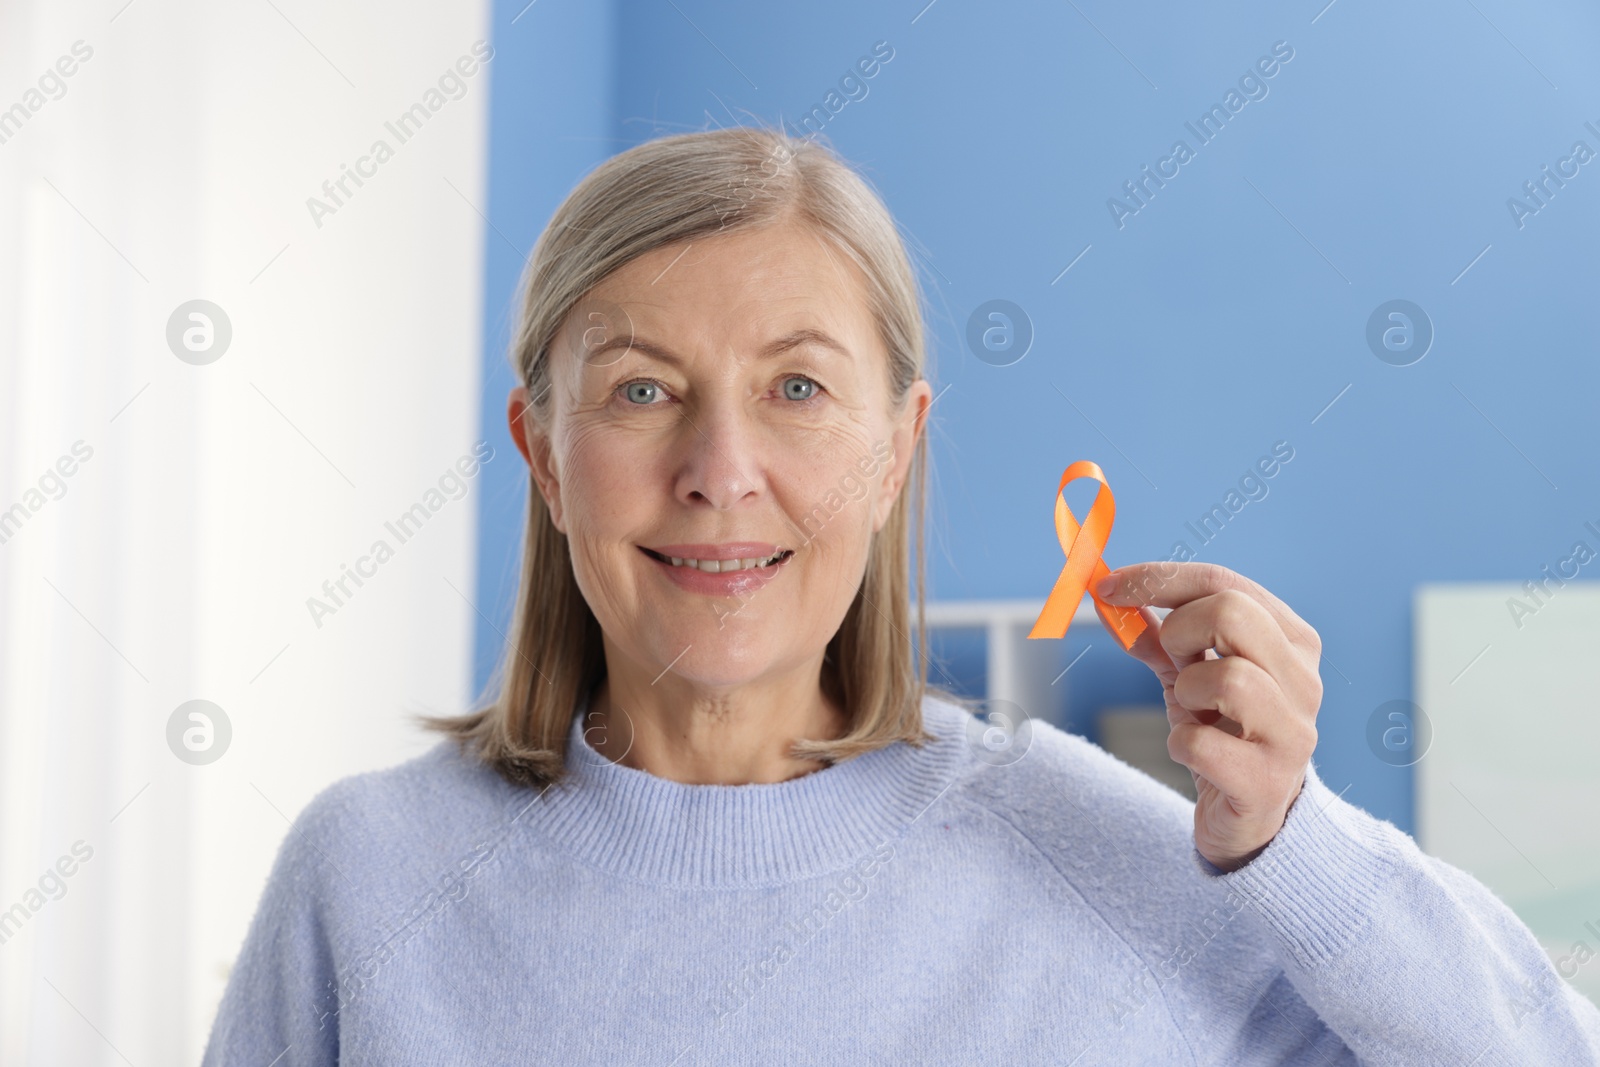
<point>1107,585</point>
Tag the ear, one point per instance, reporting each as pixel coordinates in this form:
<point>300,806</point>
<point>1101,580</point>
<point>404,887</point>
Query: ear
<point>534,443</point>
<point>908,428</point>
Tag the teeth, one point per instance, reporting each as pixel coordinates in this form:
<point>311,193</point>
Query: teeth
<point>722,566</point>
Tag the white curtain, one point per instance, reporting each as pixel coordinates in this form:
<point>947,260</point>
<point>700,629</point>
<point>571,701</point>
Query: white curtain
<point>164,520</point>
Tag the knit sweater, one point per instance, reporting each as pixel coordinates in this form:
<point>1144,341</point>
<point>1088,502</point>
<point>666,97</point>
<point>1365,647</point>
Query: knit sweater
<point>909,906</point>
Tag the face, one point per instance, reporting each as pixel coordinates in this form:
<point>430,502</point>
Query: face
<point>721,448</point>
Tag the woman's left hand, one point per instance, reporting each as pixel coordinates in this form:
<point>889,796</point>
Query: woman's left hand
<point>1239,672</point>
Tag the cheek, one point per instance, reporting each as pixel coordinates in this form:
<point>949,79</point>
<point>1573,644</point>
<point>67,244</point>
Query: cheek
<point>609,494</point>
<point>829,500</point>
<point>608,499</point>
<point>824,457</point>
<point>606,481</point>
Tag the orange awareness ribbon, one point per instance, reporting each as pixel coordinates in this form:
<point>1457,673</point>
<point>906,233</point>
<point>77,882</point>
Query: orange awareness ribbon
<point>1083,546</point>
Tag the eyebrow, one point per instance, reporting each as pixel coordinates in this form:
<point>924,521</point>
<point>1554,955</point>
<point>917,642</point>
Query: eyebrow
<point>775,347</point>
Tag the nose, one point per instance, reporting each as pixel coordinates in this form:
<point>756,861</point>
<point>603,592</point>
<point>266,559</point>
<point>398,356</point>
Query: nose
<point>721,463</point>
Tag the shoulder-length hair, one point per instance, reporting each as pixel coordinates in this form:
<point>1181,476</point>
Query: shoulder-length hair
<point>673,189</point>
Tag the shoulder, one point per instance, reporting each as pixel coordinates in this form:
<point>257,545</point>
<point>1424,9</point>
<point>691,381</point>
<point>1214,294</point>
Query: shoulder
<point>1120,838</point>
<point>1067,790</point>
<point>368,836</point>
<point>431,790</point>
<point>1123,843</point>
<point>364,866</point>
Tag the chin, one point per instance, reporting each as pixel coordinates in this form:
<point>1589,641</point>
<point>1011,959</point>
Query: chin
<point>722,652</point>
<point>713,671</point>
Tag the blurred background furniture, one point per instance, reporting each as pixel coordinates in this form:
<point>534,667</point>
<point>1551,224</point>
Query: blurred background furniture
<point>1028,674</point>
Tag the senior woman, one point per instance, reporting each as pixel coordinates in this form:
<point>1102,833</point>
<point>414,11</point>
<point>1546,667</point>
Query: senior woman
<point>715,816</point>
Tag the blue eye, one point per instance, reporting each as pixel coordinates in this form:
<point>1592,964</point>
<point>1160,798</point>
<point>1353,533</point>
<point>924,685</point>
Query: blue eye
<point>807,388</point>
<point>642,392</point>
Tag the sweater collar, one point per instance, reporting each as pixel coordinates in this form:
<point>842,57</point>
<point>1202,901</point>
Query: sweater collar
<point>645,828</point>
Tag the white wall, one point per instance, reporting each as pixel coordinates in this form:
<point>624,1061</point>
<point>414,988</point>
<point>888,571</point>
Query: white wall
<point>218,497</point>
<point>1507,788</point>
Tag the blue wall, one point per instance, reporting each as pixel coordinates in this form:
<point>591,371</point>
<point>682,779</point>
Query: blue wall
<point>551,119</point>
<point>1220,318</point>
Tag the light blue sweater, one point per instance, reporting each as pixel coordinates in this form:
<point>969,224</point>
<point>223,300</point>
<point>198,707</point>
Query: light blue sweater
<point>904,907</point>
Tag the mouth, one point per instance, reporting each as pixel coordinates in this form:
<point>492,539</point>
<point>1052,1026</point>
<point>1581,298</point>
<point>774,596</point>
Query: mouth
<point>713,562</point>
<point>720,570</point>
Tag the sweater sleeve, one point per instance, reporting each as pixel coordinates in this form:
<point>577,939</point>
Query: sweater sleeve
<point>1406,958</point>
<point>280,1004</point>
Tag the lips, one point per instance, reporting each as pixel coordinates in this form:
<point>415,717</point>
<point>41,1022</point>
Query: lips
<point>719,569</point>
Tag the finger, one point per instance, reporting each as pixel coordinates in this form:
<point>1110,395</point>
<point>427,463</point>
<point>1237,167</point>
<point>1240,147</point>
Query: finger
<point>1253,779</point>
<point>1230,764</point>
<point>1233,623</point>
<point>1177,713</point>
<point>1172,584</point>
<point>1242,692</point>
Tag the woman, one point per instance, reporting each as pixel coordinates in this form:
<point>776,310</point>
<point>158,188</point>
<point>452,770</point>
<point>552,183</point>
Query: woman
<point>714,816</point>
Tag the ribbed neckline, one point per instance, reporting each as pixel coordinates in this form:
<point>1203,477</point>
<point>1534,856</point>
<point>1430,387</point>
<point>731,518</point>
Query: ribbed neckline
<point>639,826</point>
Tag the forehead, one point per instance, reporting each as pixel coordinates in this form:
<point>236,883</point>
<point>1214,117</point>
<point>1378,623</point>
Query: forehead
<point>741,287</point>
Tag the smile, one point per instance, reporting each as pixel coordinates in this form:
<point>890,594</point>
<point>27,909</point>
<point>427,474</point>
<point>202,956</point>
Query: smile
<point>722,566</point>
<point>719,570</point>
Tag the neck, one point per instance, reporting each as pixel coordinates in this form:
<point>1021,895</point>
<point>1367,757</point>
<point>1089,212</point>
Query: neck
<point>675,729</point>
